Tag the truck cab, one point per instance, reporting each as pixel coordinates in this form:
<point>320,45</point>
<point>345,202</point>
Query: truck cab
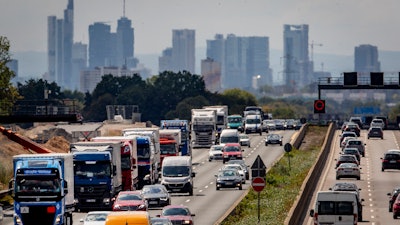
<point>177,174</point>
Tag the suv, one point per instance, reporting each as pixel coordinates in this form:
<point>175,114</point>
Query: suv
<point>375,132</point>
<point>357,120</point>
<point>357,144</point>
<point>231,151</point>
<point>391,160</point>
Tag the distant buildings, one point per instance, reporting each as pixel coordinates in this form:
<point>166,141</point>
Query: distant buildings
<point>366,59</point>
<point>181,57</point>
<point>242,59</point>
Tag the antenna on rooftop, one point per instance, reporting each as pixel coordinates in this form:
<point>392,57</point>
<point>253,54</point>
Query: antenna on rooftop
<point>123,9</point>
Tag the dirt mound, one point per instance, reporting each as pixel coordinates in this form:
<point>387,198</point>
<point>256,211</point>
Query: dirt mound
<point>57,144</point>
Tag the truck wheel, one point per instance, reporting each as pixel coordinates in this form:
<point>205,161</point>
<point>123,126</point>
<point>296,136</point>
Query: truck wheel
<point>191,192</point>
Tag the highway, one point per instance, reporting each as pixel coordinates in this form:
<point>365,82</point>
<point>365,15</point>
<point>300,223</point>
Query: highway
<point>374,184</point>
<point>208,204</point>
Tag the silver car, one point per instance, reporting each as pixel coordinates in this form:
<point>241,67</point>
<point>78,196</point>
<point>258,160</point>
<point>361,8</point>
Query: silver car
<point>244,140</point>
<point>348,170</point>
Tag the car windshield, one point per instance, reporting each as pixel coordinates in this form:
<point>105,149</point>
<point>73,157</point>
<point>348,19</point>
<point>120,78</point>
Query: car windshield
<point>152,190</point>
<point>125,197</point>
<point>227,173</point>
<point>231,149</point>
<point>176,211</point>
<point>274,136</point>
<point>96,217</point>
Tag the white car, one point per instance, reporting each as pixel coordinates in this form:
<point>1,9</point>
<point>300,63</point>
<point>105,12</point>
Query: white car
<point>244,140</point>
<point>95,218</point>
<point>215,152</point>
<point>348,170</point>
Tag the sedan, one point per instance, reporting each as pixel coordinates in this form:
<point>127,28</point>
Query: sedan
<point>215,152</point>
<point>273,139</point>
<point>229,178</point>
<point>156,195</point>
<point>95,218</point>
<point>129,201</point>
<point>178,214</point>
<point>239,168</point>
<point>348,170</point>
<point>244,140</point>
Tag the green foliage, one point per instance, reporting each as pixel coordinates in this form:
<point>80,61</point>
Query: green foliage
<point>34,89</point>
<point>281,189</point>
<point>8,93</point>
<point>237,100</point>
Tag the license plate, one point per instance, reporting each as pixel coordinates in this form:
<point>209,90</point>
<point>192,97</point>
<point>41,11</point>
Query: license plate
<point>176,189</point>
<point>229,183</point>
<point>392,161</point>
<point>91,200</point>
<point>153,202</point>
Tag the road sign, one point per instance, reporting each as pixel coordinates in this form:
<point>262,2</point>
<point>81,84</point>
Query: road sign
<point>319,106</point>
<point>258,184</point>
<point>288,147</point>
<point>258,169</point>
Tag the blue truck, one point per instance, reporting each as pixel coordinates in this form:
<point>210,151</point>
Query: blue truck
<point>97,174</point>
<point>43,189</point>
<point>183,125</point>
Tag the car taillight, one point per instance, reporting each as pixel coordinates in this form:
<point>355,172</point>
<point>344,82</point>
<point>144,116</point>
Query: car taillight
<point>355,219</point>
<point>385,160</point>
<point>397,203</point>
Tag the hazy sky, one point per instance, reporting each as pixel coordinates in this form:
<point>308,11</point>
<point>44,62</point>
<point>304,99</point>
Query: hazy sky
<point>339,25</point>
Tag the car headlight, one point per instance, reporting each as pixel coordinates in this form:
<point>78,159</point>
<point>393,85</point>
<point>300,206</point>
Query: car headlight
<point>117,207</point>
<point>186,222</point>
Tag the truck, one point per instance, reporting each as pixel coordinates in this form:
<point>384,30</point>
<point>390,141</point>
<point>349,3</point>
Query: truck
<point>151,161</point>
<point>177,174</point>
<point>170,142</point>
<point>97,174</point>
<point>129,159</point>
<point>222,116</point>
<point>43,189</point>
<point>183,125</point>
<point>203,128</point>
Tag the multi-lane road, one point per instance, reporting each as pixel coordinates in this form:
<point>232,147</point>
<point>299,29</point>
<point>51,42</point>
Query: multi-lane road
<point>374,183</point>
<point>207,203</point>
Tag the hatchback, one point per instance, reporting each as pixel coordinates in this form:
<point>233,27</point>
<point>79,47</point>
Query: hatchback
<point>391,160</point>
<point>348,170</point>
<point>375,132</point>
<point>244,140</point>
<point>346,159</point>
<point>231,151</point>
<point>352,151</point>
<point>346,134</point>
<point>357,144</point>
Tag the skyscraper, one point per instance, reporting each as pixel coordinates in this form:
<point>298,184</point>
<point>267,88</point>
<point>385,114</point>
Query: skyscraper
<point>99,45</point>
<point>125,41</point>
<point>183,50</point>
<point>297,68</point>
<point>59,47</point>
<point>366,59</point>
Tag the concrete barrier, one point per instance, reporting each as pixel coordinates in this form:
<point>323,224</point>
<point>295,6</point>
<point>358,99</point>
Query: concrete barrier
<point>299,210</point>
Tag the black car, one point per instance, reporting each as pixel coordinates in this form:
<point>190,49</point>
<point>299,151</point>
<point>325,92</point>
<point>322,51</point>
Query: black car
<point>375,132</point>
<point>391,160</point>
<point>156,195</point>
<point>392,197</point>
<point>228,178</point>
<point>273,139</point>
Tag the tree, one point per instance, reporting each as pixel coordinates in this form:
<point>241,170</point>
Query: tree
<point>34,90</point>
<point>8,93</point>
<point>238,99</point>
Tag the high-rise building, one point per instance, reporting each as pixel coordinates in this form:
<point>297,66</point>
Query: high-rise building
<point>165,60</point>
<point>125,41</point>
<point>79,63</point>
<point>99,45</point>
<point>183,50</point>
<point>297,68</point>
<point>59,47</point>
<point>242,59</point>
<point>366,59</point>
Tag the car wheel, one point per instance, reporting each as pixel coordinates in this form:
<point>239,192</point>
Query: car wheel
<point>191,192</point>
<point>390,208</point>
<point>240,187</point>
<point>394,216</point>
<point>358,178</point>
<point>280,144</point>
<point>209,159</point>
<point>217,188</point>
<point>337,178</point>
<point>382,169</point>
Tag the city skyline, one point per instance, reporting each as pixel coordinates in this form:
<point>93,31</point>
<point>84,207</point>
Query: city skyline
<point>337,25</point>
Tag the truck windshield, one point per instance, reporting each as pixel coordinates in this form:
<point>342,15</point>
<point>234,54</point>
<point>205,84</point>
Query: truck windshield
<point>230,139</point>
<point>167,149</point>
<point>234,120</point>
<point>31,185</point>
<point>253,121</point>
<point>175,171</point>
<point>205,128</point>
<point>143,151</point>
<point>98,169</point>
<point>125,162</point>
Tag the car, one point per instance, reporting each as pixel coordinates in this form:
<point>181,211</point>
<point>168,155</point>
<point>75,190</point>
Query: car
<point>129,201</point>
<point>352,151</point>
<point>273,139</point>
<point>156,195</point>
<point>348,170</point>
<point>231,151</point>
<point>270,124</point>
<point>357,120</point>
<point>95,218</point>
<point>290,124</point>
<point>228,178</point>
<point>385,121</point>
<point>375,132</point>
<point>346,134</point>
<point>396,207</point>
<point>390,160</point>
<point>243,164</point>
<point>346,159</point>
<point>237,167</point>
<point>353,127</point>
<point>160,221</point>
<point>392,197</point>
<point>347,186</point>
<point>178,214</point>
<point>377,123</point>
<point>356,143</point>
<point>244,140</point>
<point>279,124</point>
<point>215,152</point>
<point>345,140</point>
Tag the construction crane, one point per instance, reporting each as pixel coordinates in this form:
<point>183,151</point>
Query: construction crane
<point>312,49</point>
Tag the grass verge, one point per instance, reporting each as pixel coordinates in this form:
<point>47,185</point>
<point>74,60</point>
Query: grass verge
<point>282,184</point>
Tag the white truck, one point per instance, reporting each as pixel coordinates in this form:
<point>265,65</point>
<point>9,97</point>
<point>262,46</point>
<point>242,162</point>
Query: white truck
<point>222,116</point>
<point>154,134</point>
<point>203,128</point>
